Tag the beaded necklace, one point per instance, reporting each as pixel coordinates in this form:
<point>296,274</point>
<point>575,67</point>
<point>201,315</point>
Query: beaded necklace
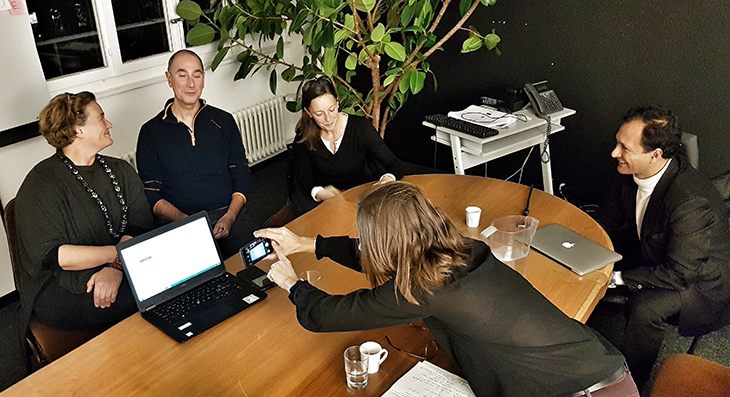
<point>95,196</point>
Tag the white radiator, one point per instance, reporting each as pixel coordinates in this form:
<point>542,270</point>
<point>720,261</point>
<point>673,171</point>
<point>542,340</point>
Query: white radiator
<point>262,129</point>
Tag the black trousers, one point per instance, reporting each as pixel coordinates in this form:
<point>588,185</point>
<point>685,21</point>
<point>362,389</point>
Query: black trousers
<point>646,313</point>
<point>60,308</point>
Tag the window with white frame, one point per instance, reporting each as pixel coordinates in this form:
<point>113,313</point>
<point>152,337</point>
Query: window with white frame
<point>82,41</point>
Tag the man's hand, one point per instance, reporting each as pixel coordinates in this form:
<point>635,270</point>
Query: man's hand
<point>222,228</point>
<point>105,284</point>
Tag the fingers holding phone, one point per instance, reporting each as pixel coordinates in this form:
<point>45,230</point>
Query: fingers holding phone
<point>282,272</point>
<point>289,242</point>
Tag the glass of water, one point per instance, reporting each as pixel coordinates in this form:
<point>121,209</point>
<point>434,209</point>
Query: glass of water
<point>356,368</point>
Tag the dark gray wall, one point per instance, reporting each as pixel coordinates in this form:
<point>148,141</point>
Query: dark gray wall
<point>601,58</point>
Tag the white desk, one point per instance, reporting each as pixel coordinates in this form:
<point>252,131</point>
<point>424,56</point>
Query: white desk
<point>468,151</point>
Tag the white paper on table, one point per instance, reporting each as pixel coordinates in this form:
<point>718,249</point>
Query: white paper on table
<point>484,116</point>
<point>428,380</point>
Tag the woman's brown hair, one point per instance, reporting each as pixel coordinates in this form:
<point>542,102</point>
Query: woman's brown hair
<point>405,238</point>
<point>308,130</point>
<point>59,118</point>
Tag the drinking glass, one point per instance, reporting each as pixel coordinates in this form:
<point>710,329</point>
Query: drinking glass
<point>356,368</point>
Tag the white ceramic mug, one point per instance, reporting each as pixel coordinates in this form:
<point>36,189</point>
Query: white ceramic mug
<point>473,214</point>
<point>376,355</point>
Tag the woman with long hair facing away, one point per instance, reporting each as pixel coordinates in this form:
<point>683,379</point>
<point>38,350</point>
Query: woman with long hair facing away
<point>505,336</point>
<point>71,211</point>
<point>335,151</point>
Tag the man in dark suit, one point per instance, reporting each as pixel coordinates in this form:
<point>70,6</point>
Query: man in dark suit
<point>671,226</point>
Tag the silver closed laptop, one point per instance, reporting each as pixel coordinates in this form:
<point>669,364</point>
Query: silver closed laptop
<point>572,250</point>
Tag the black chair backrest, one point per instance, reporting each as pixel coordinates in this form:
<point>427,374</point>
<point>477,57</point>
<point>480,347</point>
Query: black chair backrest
<point>12,234</point>
<point>291,168</point>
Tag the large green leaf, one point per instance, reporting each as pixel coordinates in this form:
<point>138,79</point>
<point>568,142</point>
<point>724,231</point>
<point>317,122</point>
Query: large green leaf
<point>272,81</point>
<point>464,6</point>
<point>378,33</point>
<point>473,43</point>
<point>407,14</point>
<point>280,48</point>
<point>288,74</point>
<point>396,51</point>
<point>200,34</point>
<point>390,79</point>
<point>405,83</point>
<point>425,17</point>
<point>329,63</point>
<point>365,5</point>
<point>351,61</point>
<point>341,34</point>
<point>491,40</point>
<point>219,57</point>
<point>248,62</point>
<point>189,10</point>
<point>332,3</point>
<point>417,80</point>
<point>350,21</point>
<point>327,37</point>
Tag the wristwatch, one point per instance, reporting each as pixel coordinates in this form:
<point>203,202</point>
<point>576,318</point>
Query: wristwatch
<point>612,282</point>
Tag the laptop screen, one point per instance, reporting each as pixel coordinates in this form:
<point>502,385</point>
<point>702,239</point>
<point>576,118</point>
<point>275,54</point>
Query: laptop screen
<point>165,260</point>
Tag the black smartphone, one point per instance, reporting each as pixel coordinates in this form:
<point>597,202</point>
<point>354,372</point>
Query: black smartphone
<point>251,254</point>
<point>256,250</point>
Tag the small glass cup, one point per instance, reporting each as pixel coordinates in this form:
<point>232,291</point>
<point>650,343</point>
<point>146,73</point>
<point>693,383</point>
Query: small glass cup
<point>356,368</point>
<point>313,276</point>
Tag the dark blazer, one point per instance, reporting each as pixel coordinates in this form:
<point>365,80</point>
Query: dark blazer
<point>684,246</point>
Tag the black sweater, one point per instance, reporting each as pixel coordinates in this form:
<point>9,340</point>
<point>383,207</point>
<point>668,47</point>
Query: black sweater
<point>362,155</point>
<point>505,336</point>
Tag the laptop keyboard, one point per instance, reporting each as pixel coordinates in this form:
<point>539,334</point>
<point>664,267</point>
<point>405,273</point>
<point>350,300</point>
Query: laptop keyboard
<point>182,305</point>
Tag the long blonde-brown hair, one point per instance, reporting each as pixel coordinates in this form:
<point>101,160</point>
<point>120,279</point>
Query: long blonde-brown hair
<point>405,238</point>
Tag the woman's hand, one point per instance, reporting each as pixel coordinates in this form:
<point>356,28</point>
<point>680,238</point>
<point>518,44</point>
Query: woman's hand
<point>105,284</point>
<point>282,272</point>
<point>328,192</point>
<point>288,242</point>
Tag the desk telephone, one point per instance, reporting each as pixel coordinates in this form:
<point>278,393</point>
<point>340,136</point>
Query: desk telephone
<point>543,99</point>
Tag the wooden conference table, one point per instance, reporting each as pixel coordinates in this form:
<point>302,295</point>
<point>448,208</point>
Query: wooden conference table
<point>263,351</point>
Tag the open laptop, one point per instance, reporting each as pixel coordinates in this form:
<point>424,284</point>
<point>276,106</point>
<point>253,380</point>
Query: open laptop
<point>179,281</point>
<point>572,250</point>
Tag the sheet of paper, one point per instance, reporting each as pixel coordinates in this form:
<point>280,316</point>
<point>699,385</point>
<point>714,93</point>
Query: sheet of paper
<point>484,116</point>
<point>4,5</point>
<point>428,380</point>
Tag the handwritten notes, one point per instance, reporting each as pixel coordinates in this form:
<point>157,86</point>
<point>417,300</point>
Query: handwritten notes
<point>428,380</point>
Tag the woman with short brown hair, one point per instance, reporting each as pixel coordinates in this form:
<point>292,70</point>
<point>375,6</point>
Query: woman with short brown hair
<point>71,211</point>
<point>505,336</point>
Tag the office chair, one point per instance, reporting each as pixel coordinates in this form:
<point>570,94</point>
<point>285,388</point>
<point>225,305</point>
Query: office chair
<point>286,213</point>
<point>683,375</point>
<point>45,343</point>
<point>691,149</point>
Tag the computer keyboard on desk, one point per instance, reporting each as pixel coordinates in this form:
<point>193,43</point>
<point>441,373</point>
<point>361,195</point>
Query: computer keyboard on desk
<point>461,125</point>
<point>182,305</point>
